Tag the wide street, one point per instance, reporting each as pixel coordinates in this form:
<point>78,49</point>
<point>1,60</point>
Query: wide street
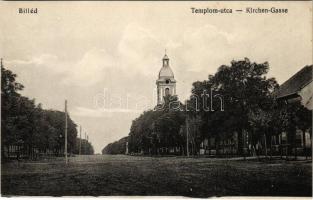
<point>100,175</point>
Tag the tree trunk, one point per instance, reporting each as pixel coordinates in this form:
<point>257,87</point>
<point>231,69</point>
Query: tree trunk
<point>304,144</point>
<point>265,145</point>
<point>231,150</point>
<point>216,146</point>
<point>271,147</point>
<point>240,151</point>
<point>244,152</point>
<point>310,142</point>
<point>296,151</point>
<point>287,152</point>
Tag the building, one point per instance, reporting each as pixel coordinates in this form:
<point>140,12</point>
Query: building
<point>166,84</point>
<point>298,88</point>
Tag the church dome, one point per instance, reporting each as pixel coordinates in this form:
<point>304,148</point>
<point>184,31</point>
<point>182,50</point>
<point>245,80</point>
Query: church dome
<point>166,72</point>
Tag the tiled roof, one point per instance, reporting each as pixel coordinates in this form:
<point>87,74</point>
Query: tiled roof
<point>295,83</point>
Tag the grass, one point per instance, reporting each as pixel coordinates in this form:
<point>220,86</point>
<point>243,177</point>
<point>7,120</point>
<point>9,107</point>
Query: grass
<point>129,175</point>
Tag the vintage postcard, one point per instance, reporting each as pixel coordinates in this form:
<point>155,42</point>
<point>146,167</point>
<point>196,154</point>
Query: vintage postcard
<point>156,98</point>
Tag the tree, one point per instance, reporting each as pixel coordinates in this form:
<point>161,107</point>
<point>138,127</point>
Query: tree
<point>158,128</point>
<point>9,111</point>
<point>27,125</point>
<point>245,90</point>
<point>304,123</point>
<point>118,147</point>
<point>86,147</point>
<point>295,116</point>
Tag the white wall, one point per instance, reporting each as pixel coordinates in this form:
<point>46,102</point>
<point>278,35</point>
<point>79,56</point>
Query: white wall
<point>306,94</point>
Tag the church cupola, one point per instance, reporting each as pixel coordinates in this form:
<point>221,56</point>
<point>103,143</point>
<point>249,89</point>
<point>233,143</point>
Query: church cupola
<point>166,84</point>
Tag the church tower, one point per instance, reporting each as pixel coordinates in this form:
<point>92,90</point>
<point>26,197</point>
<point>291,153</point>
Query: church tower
<point>166,84</point>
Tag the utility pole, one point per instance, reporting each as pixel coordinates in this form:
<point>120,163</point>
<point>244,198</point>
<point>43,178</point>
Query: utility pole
<point>85,146</point>
<point>80,140</point>
<point>187,135</point>
<point>65,137</point>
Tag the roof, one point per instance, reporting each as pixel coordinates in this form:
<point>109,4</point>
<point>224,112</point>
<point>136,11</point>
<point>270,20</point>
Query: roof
<point>166,72</point>
<point>294,84</point>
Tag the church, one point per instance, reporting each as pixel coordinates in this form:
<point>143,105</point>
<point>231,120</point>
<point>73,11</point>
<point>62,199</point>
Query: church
<point>166,83</point>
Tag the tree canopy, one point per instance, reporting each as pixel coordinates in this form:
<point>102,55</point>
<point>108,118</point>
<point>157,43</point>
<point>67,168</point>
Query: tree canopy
<point>23,123</point>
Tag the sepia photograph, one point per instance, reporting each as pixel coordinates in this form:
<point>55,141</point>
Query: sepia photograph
<point>194,99</point>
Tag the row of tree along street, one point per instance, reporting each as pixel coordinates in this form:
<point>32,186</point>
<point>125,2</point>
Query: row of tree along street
<point>118,147</point>
<point>28,130</point>
<point>239,117</point>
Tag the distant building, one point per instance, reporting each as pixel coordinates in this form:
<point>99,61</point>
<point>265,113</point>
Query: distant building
<point>298,88</point>
<point>166,84</point>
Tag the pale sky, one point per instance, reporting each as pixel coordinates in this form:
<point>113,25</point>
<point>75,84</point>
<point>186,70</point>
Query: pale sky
<point>78,50</point>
